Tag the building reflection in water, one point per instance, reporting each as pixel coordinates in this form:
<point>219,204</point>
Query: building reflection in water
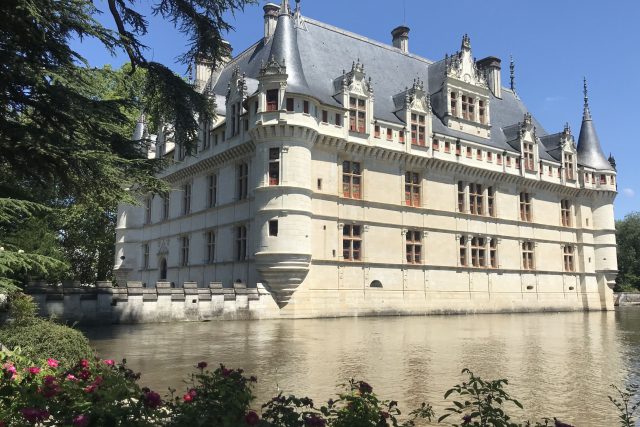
<point>557,364</point>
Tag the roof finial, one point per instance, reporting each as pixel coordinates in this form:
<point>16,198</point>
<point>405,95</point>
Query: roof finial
<point>284,7</point>
<point>512,68</point>
<point>586,114</point>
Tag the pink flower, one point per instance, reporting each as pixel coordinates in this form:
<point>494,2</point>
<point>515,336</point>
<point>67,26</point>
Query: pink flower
<point>49,379</point>
<point>151,399</point>
<point>193,392</point>
<point>98,380</point>
<point>34,415</point>
<point>71,377</point>
<point>251,418</point>
<point>34,370</point>
<point>53,363</point>
<point>11,370</point>
<point>84,374</point>
<point>81,421</point>
<point>109,362</point>
<point>90,388</point>
<point>187,398</point>
<point>84,363</point>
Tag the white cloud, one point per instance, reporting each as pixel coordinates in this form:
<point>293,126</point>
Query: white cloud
<point>629,192</point>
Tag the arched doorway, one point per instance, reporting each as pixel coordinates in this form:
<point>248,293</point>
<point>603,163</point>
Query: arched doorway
<point>163,269</point>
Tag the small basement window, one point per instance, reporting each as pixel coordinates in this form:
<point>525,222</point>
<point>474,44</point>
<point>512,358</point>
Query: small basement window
<point>376,284</point>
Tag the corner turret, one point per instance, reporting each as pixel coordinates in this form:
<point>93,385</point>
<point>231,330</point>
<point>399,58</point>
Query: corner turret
<point>589,150</point>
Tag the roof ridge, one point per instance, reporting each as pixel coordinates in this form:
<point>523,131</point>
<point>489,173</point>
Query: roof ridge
<point>366,40</point>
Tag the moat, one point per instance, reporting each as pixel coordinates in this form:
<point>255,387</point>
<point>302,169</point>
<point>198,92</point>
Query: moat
<point>557,364</point>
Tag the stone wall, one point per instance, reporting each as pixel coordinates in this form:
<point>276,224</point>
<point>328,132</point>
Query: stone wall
<point>135,303</point>
<point>626,299</point>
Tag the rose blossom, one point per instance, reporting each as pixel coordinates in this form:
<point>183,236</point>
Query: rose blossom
<point>34,370</point>
<point>201,365</point>
<point>187,398</point>
<point>81,421</point>
<point>53,363</point>
<point>84,363</point>
<point>109,362</point>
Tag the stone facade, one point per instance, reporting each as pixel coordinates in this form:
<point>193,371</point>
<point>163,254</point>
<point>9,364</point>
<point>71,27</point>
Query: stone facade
<point>413,187</point>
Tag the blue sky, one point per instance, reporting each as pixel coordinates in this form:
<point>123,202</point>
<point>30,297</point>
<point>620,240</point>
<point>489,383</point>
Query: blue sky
<point>554,43</point>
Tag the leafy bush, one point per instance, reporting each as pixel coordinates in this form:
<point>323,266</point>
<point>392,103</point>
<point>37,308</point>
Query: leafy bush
<point>39,337</point>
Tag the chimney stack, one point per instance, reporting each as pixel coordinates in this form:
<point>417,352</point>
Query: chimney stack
<point>491,68</point>
<point>401,38</point>
<point>271,12</point>
<point>207,74</point>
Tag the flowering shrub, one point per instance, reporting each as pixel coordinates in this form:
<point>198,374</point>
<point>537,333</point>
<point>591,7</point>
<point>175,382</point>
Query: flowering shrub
<point>104,393</point>
<point>90,393</point>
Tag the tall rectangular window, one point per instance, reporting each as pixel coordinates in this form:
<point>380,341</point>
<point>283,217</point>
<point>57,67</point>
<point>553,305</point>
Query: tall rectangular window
<point>206,135</point>
<point>272,99</point>
<point>186,199</point>
<point>212,190</point>
<point>468,108</point>
<point>435,145</point>
<point>491,201</point>
<point>489,157</point>
<point>147,210</point>
<point>210,250</point>
<point>525,207</point>
<point>569,264</point>
<point>145,256</point>
<point>461,196</point>
<point>476,199</point>
<point>376,131</point>
<point>568,167</point>
<point>290,105</point>
<point>233,120</point>
<point>528,261</point>
<point>493,253</point>
<point>529,158</point>
<point>325,116</point>
<point>305,107</point>
<point>165,207</point>
<point>478,252</point>
<point>241,243</point>
<point>401,137</point>
<point>447,147</point>
<point>414,247</point>
<point>357,115</point>
<point>454,104</point>
<point>418,129</point>
<point>338,119</point>
<point>351,180</point>
<point>565,212</point>
<point>389,134</point>
<point>469,152</point>
<point>482,115</point>
<point>499,159</point>
<point>184,251</point>
<point>274,166</point>
<point>352,242</point>
<point>412,189</point>
<point>463,251</point>
<point>242,172</point>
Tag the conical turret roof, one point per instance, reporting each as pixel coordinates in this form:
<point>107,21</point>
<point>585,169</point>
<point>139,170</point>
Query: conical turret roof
<point>284,50</point>
<point>589,150</point>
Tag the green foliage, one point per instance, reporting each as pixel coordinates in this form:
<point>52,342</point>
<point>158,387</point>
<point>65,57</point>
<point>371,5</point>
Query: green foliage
<point>628,239</point>
<point>481,402</point>
<point>38,337</point>
<point>627,403</point>
<point>22,309</point>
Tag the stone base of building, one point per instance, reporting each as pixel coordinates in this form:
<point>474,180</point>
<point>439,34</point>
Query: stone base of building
<point>134,303</point>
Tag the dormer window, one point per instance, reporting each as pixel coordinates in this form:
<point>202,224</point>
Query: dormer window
<point>357,114</point>
<point>468,112</point>
<point>482,112</point>
<point>236,110</point>
<point>418,129</point>
<point>454,105</point>
<point>290,106</point>
<point>568,167</point>
<point>529,162</point>
<point>272,99</point>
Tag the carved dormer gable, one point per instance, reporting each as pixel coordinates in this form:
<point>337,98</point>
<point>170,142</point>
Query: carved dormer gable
<point>413,107</point>
<point>528,142</point>
<point>567,142</point>
<point>569,154</point>
<point>527,129</point>
<point>354,81</point>
<point>237,87</point>
<point>273,68</point>
<point>236,95</point>
<point>462,66</point>
<point>272,82</point>
<point>355,92</point>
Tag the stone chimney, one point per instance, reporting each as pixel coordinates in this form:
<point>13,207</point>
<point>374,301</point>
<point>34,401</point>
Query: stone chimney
<point>207,74</point>
<point>204,69</point>
<point>490,66</point>
<point>271,12</point>
<point>401,38</point>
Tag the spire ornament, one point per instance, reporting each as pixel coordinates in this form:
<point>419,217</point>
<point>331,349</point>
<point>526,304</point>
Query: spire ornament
<point>512,69</point>
<point>586,114</point>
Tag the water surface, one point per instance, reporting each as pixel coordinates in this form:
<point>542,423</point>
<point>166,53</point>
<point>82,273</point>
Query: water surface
<point>557,364</point>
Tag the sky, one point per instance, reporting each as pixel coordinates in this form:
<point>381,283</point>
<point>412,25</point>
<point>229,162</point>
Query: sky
<point>555,43</point>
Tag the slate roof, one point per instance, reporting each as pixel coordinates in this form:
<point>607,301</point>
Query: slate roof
<point>589,150</point>
<point>316,54</point>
